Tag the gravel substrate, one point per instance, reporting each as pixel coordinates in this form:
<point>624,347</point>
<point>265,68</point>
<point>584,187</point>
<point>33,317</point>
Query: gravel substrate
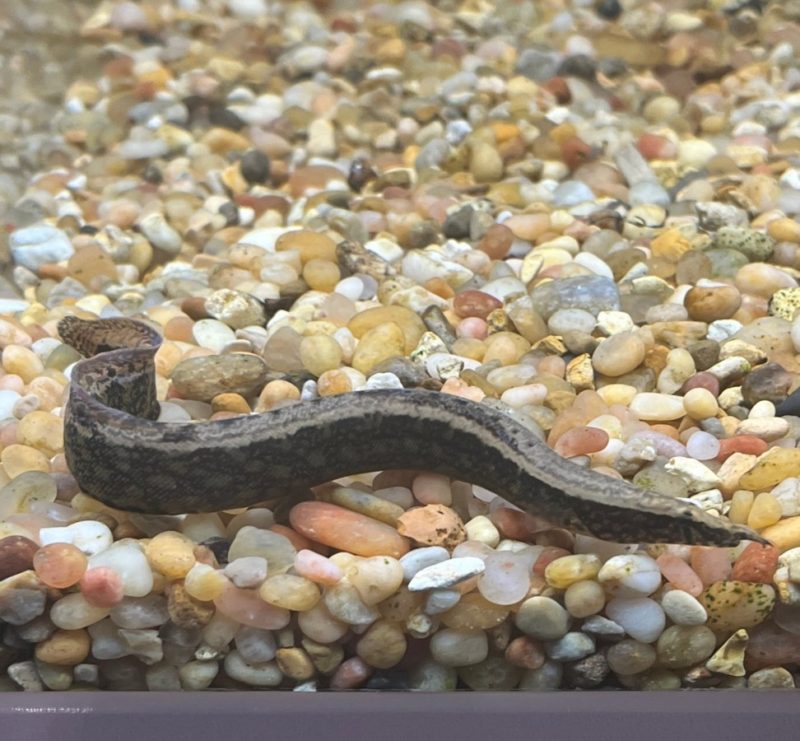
<point>584,213</point>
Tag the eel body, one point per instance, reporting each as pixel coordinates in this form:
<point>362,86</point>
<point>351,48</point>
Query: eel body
<point>122,456</point>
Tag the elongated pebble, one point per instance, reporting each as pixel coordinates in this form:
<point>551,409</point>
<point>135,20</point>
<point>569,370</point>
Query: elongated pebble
<point>89,536</point>
<point>421,558</point>
<point>446,574</point>
<point>348,531</point>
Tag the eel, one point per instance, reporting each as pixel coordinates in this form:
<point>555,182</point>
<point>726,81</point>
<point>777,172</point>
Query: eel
<point>121,455</point>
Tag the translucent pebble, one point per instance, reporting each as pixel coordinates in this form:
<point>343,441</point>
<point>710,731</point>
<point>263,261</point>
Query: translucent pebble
<point>107,643</point>
<point>200,527</point>
<point>451,647</point>
<point>584,598</point>
<point>204,582</point>
<point>197,675</point>
<point>73,612</point>
<point>507,577</point>
<point>216,636</point>
<point>277,549</point>
<point>89,536</point>
<point>703,446</point>
<point>59,565</point>
<point>290,592</point>
<point>375,578</point>
<point>432,488</point>
<point>679,574</point>
<point>420,558</point>
<point>246,572</point>
<point>258,517</point>
<point>345,604</point>
<point>711,564</point>
<point>261,675</point>
<point>642,618</point>
<point>766,511</point>
<point>255,645</point>
<point>317,568</point>
<point>25,491</point>
<point>246,607</point>
<point>441,600</point>
<point>128,560</point>
<point>101,587</point>
<point>138,613</point>
<point>18,459</point>
<point>320,625</point>
<point>563,572</point>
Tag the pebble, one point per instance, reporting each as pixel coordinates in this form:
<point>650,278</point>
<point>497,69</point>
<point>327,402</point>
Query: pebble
<point>630,575</point>
<point>16,555</point>
<point>40,244</point>
<point>641,617</point>
<point>88,536</point>
<point>204,378</point>
<point>337,527</point>
<point>455,648</point>
<point>542,618</point>
<point>682,608</point>
<point>737,604</point>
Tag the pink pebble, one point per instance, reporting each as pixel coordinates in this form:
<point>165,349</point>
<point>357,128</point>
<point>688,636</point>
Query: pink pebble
<point>317,568</point>
<point>101,587</point>
<point>473,328</point>
<point>8,432</point>
<point>350,674</point>
<point>246,607</point>
<point>12,382</point>
<point>432,488</point>
<point>679,574</point>
<point>711,564</point>
<point>581,441</point>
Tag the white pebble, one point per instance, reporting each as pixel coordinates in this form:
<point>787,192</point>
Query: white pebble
<point>696,475</point>
<point>641,617</point>
<point>89,536</point>
<point>212,334</point>
<point>8,400</point>
<point>452,647</point>
<point>703,446</point>
<point>247,572</point>
<point>74,612</point>
<point>441,600</point>
<point>683,609</point>
<point>482,529</point>
<point>263,675</point>
<point>128,560</point>
<point>421,558</point>
<point>630,575</point>
<point>446,574</point>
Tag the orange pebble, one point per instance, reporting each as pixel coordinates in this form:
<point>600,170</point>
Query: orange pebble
<point>581,441</point>
<point>748,444</point>
<point>59,565</point>
<point>711,564</point>
<point>666,430</point>
<point>679,574</point>
<point>756,564</point>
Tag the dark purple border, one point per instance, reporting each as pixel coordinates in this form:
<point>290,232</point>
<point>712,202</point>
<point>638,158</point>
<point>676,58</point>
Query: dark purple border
<point>397,716</point>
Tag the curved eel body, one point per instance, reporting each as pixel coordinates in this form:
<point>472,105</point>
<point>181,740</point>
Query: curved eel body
<point>120,455</point>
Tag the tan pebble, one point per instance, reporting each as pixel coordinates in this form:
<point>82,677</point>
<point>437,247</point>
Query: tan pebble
<point>700,403</point>
<point>670,245</point>
<point>741,502</point>
<point>761,279</point>
<point>505,347</point>
<point>321,275</point>
<point>310,245</point>
<point>295,664</point>
<point>22,361</point>
<point>784,534</point>
<point>730,473</point>
<point>619,354</point>
<point>766,511</point>
<point>383,645</point>
<point>367,504</point>
<point>334,382</point>
<point>290,591</point>
<point>409,322</point>
<point>171,554</point>
<point>485,163</point>
<point>378,344</point>
<point>320,353</point>
<point>784,230</point>
<point>774,466</point>
<point>17,459</point>
<point>709,303</point>
<point>276,392</point>
<point>652,407</point>
<point>64,648</point>
<point>433,524</point>
<point>43,431</point>
<point>474,612</point>
<point>230,402</point>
